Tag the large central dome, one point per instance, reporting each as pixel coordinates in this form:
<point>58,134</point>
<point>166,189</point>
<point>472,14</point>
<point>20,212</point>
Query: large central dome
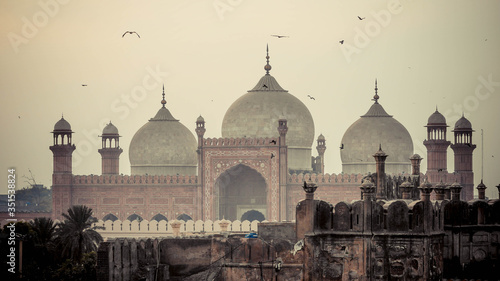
<point>363,137</point>
<point>256,114</point>
<point>163,146</point>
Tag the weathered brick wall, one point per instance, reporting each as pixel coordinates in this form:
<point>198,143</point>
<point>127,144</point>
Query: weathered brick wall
<point>212,258</point>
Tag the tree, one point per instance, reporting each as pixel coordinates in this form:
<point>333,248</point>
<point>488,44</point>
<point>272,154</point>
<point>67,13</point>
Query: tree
<point>76,235</point>
<point>45,231</point>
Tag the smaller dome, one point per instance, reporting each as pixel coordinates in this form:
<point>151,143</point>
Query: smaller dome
<point>321,137</point>
<point>62,125</point>
<point>436,119</point>
<point>110,129</point>
<point>463,124</point>
<point>200,119</point>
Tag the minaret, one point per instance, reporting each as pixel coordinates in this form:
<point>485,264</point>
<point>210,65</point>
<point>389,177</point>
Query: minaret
<point>62,168</point>
<point>283,168</point>
<point>463,149</point>
<point>200,131</point>
<point>321,147</point>
<point>437,147</point>
<point>110,151</point>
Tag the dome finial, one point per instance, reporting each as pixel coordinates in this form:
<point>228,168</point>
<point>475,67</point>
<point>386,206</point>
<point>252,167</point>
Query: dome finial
<point>163,101</point>
<point>267,67</point>
<point>376,97</point>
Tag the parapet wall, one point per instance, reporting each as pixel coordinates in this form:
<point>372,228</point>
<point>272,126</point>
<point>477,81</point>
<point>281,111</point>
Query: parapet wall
<point>238,142</point>
<point>135,179</point>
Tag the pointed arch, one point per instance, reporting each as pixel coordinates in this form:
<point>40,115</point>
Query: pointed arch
<point>134,217</point>
<point>184,217</point>
<point>159,217</point>
<point>253,215</point>
<point>110,217</point>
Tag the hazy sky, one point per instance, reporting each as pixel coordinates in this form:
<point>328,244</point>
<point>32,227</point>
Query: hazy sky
<point>208,53</point>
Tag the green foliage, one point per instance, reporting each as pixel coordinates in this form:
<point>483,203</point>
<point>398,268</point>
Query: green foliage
<point>76,235</point>
<point>35,198</point>
<point>84,270</point>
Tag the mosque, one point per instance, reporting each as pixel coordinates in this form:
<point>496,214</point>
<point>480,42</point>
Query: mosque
<point>255,171</point>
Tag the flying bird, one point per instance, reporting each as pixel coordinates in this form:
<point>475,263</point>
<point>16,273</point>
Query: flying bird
<point>20,118</point>
<point>272,155</point>
<point>84,85</point>
<point>311,97</point>
<point>360,18</point>
<point>131,32</point>
<point>342,146</point>
<point>341,41</point>
<point>280,36</point>
<point>273,142</point>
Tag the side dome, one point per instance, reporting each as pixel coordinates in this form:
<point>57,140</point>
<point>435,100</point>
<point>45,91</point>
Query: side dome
<point>62,125</point>
<point>436,119</point>
<point>256,115</point>
<point>363,138</point>
<point>163,146</point>
<point>110,129</point>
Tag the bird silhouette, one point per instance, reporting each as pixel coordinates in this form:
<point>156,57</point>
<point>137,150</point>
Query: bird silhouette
<point>360,18</point>
<point>84,85</point>
<point>273,142</point>
<point>342,146</point>
<point>18,116</point>
<point>272,155</point>
<point>311,97</point>
<point>341,41</point>
<point>265,86</point>
<point>440,170</point>
<point>131,32</point>
<point>280,36</point>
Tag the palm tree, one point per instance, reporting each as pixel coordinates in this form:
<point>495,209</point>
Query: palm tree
<point>45,230</point>
<point>76,235</point>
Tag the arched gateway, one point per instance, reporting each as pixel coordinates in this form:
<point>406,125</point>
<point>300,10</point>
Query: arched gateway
<point>239,190</point>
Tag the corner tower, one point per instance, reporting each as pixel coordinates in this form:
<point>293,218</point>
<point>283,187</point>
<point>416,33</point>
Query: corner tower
<point>437,147</point>
<point>110,151</point>
<point>62,150</point>
<point>463,149</point>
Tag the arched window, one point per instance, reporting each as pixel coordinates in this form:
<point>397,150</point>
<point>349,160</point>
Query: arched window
<point>134,217</point>
<point>252,215</point>
<point>109,217</point>
<point>184,217</point>
<point>159,217</point>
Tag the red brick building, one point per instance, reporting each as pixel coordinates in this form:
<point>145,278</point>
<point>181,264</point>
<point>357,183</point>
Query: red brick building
<point>256,169</point>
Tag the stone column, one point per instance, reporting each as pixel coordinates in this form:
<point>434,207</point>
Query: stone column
<point>425,196</point>
<point>305,216</point>
<point>455,188</point>
<point>440,190</point>
<point>481,191</point>
<point>368,191</point>
<point>415,164</point>
<point>380,157</point>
